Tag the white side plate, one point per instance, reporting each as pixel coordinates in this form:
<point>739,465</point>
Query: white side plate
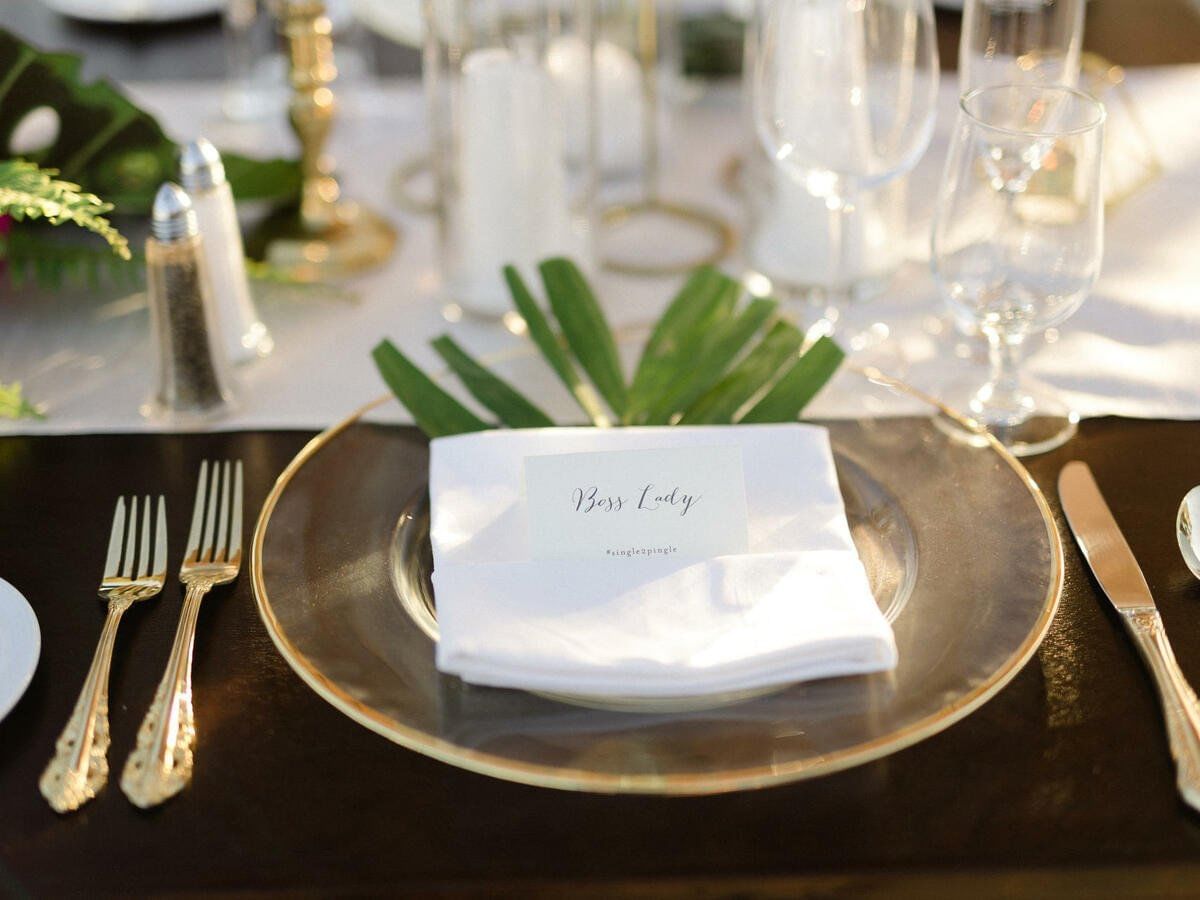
<point>134,10</point>
<point>20,646</point>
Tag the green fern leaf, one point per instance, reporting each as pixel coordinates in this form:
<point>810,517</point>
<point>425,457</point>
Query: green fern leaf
<point>13,404</point>
<point>28,192</point>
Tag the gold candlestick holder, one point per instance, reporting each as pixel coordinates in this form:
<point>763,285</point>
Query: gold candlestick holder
<point>332,237</point>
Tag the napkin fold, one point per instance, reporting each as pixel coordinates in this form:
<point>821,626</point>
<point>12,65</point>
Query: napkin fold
<point>797,606</point>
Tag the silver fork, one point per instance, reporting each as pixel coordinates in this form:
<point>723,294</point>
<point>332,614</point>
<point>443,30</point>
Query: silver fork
<point>160,766</point>
<point>132,572</point>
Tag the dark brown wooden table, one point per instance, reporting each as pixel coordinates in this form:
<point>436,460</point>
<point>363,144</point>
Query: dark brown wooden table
<point>1060,783</point>
<point>1059,786</point>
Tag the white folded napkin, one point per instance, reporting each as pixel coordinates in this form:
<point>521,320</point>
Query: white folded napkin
<point>797,606</point>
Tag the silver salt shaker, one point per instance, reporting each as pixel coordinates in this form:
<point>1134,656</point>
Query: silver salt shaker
<point>193,382</point>
<point>203,176</point>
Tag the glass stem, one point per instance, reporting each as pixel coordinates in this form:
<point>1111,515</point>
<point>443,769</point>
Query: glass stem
<point>836,243</point>
<point>1004,356</point>
<point>841,243</point>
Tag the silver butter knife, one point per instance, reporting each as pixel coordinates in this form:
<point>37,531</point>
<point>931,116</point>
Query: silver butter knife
<point>1113,564</point>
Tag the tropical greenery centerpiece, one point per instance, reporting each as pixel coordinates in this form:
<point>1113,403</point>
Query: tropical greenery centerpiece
<point>28,192</point>
<point>94,136</point>
<point>714,357</point>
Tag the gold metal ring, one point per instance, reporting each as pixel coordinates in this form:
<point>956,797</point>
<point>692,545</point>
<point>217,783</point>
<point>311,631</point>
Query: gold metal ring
<point>724,238</point>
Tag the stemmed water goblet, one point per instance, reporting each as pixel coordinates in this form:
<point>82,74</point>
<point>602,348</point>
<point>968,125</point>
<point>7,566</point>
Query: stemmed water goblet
<point>1018,42</point>
<point>1017,243</point>
<point>843,98</point>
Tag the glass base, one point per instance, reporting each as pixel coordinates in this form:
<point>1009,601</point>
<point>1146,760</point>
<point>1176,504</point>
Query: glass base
<point>1029,420</point>
<point>160,412</point>
<point>633,242</point>
<point>511,321</point>
<point>358,239</point>
<point>412,189</point>
<point>847,314</point>
<point>829,300</point>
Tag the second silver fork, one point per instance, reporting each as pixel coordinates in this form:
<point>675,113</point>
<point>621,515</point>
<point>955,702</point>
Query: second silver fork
<point>161,764</point>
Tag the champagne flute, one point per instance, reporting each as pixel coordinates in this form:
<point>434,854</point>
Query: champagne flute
<point>1020,41</point>
<point>843,97</point>
<point>1017,243</point>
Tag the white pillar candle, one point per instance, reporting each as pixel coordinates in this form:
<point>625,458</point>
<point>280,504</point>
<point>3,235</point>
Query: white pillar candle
<point>512,203</point>
<point>789,238</point>
<point>619,100</point>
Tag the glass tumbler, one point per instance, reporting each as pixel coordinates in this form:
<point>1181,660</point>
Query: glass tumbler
<point>513,151</point>
<point>1019,41</point>
<point>255,66</point>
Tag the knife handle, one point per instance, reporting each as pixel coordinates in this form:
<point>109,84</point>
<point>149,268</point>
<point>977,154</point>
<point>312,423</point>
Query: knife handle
<point>1180,707</point>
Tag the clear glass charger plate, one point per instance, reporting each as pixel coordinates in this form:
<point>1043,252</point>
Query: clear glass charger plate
<point>958,541</point>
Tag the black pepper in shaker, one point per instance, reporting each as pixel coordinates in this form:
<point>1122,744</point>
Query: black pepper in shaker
<point>193,381</point>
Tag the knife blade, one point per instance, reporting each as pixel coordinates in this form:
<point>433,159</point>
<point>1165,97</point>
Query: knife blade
<point>1101,541</point>
<point>1121,579</point>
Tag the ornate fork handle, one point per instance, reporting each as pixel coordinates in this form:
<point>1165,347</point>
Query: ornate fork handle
<point>80,764</point>
<point>1181,709</point>
<point>160,766</point>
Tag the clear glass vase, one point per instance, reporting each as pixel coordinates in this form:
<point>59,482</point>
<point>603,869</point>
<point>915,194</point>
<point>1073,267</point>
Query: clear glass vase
<point>511,97</point>
<point>647,227</point>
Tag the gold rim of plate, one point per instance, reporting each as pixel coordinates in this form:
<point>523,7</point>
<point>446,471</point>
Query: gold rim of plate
<point>697,783</point>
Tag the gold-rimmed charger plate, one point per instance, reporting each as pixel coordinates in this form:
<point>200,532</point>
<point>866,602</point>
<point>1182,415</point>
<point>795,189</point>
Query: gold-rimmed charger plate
<point>958,541</point>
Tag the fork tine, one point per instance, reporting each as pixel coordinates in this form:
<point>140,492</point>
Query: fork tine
<point>193,545</point>
<point>210,524</point>
<point>130,539</point>
<point>219,553</point>
<point>160,540</point>
<point>116,538</point>
<point>235,521</point>
<point>144,552</point>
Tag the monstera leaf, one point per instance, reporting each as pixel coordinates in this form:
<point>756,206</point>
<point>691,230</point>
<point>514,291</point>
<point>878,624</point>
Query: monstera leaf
<point>104,141</point>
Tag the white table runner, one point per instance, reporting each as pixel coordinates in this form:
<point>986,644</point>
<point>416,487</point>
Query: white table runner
<point>1131,350</point>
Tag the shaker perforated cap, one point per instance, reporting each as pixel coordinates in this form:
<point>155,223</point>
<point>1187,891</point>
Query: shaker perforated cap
<point>172,217</point>
<point>200,166</point>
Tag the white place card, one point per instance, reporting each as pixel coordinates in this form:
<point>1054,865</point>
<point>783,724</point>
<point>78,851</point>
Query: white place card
<point>687,502</point>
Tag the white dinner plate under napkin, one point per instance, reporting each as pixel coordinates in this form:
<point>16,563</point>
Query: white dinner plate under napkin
<point>797,606</point>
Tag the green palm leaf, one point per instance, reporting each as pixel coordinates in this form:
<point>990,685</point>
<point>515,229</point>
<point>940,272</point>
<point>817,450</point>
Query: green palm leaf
<point>586,330</point>
<point>694,369</point>
<point>436,412</point>
<point>551,347</point>
<point>707,299</point>
<point>714,355</point>
<point>798,385</point>
<point>721,403</point>
<point>511,407</point>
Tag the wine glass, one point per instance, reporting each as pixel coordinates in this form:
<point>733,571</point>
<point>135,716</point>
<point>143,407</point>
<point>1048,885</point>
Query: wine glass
<point>1017,242</point>
<point>843,97</point>
<point>1020,41</point>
